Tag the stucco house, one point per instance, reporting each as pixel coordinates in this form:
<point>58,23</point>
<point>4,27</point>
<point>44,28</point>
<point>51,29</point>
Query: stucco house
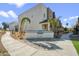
<point>38,16</point>
<point>13,26</point>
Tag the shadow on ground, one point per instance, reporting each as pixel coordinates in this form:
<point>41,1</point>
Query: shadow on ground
<point>45,39</point>
<point>44,43</point>
<point>49,46</point>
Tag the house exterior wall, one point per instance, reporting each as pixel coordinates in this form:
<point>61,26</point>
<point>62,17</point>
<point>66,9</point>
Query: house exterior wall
<point>12,26</point>
<point>49,13</point>
<point>36,15</point>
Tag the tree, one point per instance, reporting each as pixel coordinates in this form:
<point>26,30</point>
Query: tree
<point>76,30</point>
<point>5,25</point>
<point>54,25</point>
<point>65,29</point>
<point>67,24</point>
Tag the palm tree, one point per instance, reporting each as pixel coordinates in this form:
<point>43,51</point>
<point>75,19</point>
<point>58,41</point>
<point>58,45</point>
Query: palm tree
<point>54,25</point>
<point>67,24</point>
<point>67,28</point>
<point>24,19</point>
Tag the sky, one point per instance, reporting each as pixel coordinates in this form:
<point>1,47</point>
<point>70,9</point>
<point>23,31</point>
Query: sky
<point>69,13</point>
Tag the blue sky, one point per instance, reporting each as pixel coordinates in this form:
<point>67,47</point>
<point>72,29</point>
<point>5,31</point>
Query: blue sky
<point>68,12</point>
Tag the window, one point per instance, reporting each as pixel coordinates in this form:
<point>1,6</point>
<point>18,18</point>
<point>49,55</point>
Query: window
<point>44,15</point>
<point>45,26</point>
<point>32,16</point>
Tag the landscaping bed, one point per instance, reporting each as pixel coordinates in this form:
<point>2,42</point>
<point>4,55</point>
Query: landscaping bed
<point>76,44</point>
<point>3,51</point>
<point>17,35</point>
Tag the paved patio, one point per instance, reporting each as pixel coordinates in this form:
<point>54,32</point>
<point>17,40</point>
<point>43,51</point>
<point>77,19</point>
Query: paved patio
<point>58,48</point>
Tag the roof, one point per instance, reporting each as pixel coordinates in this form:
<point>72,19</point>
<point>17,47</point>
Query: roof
<point>44,21</point>
<point>13,23</point>
<point>39,4</point>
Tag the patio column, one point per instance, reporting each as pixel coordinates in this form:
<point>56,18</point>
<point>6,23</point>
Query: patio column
<point>48,27</point>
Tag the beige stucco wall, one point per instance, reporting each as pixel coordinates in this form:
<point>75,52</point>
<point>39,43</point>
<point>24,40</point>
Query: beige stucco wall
<point>36,15</point>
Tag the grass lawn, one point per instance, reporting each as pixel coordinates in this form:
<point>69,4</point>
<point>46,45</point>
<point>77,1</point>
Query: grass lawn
<point>76,44</point>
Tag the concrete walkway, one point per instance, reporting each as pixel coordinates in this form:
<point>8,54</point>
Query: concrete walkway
<point>66,36</point>
<point>15,47</point>
<point>60,47</point>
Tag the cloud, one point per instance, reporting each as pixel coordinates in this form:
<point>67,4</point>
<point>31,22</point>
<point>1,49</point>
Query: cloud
<point>73,17</point>
<point>65,19</point>
<point>71,20</point>
<point>8,14</point>
<point>4,14</point>
<point>18,5</point>
<point>12,14</point>
<point>64,25</point>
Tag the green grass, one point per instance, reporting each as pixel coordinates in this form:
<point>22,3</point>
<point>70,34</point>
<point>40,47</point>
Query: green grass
<point>76,44</point>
